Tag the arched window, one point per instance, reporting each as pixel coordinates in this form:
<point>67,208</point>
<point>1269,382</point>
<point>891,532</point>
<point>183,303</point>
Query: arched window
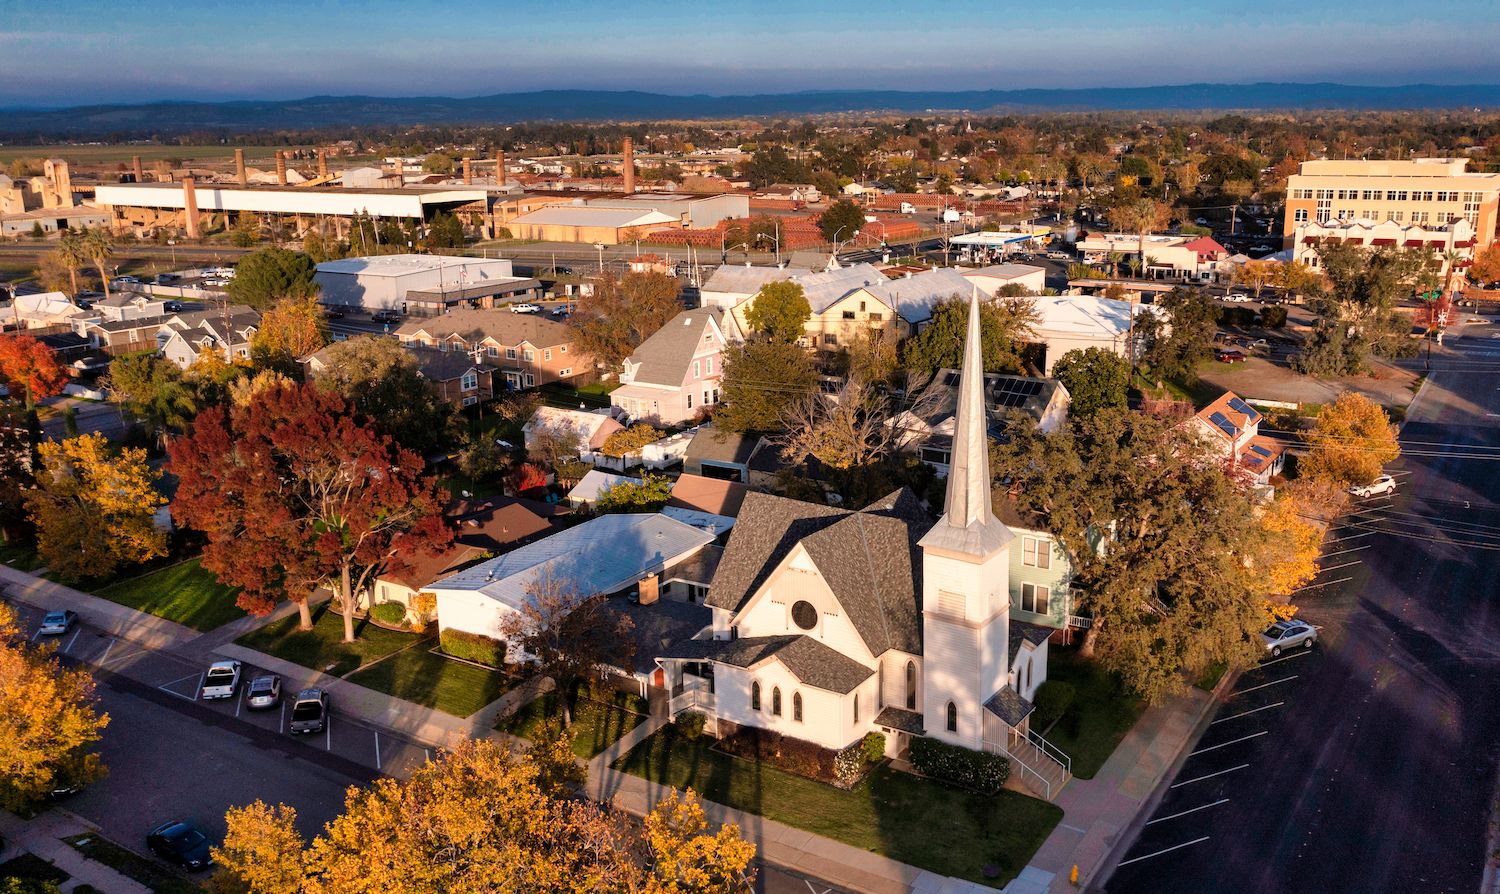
<point>952,717</point>
<point>776,700</point>
<point>856,707</point>
<point>755,696</point>
<point>911,685</point>
<point>1028,675</point>
<point>797,706</point>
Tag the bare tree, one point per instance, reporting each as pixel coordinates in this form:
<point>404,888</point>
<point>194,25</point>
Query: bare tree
<point>846,430</point>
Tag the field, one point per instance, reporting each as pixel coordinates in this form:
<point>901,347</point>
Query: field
<point>100,153</point>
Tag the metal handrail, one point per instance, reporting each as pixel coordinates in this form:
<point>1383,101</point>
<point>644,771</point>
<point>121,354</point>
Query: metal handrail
<point>1047,748</point>
<point>1046,786</point>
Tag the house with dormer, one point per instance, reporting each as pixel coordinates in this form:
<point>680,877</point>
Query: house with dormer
<point>525,350</point>
<point>674,375</point>
<point>1232,426</point>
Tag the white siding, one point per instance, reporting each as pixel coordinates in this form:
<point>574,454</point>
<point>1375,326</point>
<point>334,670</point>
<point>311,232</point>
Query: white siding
<point>826,716</point>
<point>769,611</point>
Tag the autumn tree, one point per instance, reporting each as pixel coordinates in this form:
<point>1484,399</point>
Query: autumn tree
<point>1005,326</point>
<point>294,491</point>
<point>30,369</point>
<point>779,311</point>
<point>630,440</point>
<point>152,389</point>
<point>846,430</point>
<point>1291,546</point>
<point>1486,266</point>
<point>269,275</point>
<point>558,770</point>
<point>1096,379</point>
<point>17,464</point>
<point>686,856</point>
<point>243,389</point>
<point>289,331</point>
<point>551,445</point>
<point>262,849</point>
<point>568,635</point>
<point>1351,442</point>
<point>761,380</point>
<point>48,720</point>
<point>94,507</point>
<point>649,495</point>
<point>621,312</point>
<point>871,354</point>
<point>382,380</point>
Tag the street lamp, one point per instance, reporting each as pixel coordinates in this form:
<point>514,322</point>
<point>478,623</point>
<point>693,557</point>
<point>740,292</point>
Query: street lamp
<point>599,246</point>
<point>776,238</point>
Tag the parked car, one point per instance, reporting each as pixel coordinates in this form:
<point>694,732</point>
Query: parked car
<point>385,316</point>
<point>1284,635</point>
<point>173,307</point>
<point>57,623</point>
<point>181,843</point>
<point>333,313</point>
<point>310,711</point>
<point>1260,344</point>
<point>264,692</point>
<point>1384,484</point>
<point>526,307</point>
<point>1237,297</point>
<point>1201,221</point>
<point>1230,356</point>
<point>1059,256</point>
<point>221,681</point>
<point>126,280</point>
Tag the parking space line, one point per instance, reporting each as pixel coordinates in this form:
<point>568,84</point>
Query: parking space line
<point>328,733</point>
<point>1337,567</point>
<point>69,646</point>
<point>102,661</point>
<point>1352,549</point>
<point>428,753</point>
<point>167,688</point>
<point>1351,537</point>
<point>1287,657</point>
<point>107,649</point>
<point>282,730</point>
<point>1162,819</point>
<point>1230,742</point>
<point>1264,685</point>
<point>239,701</point>
<point>1165,851</point>
<point>1323,584</point>
<point>1209,776</point>
<point>377,748</point>
<point>1248,713</point>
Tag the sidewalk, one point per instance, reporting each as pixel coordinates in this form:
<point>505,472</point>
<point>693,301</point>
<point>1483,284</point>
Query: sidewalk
<point>120,620</point>
<point>43,836</point>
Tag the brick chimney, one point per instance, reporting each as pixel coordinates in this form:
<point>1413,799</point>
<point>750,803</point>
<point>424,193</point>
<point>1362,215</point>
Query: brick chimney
<point>627,165</point>
<point>190,207</point>
<point>140,173</point>
<point>322,163</point>
<point>281,167</point>
<point>239,168</point>
<point>499,167</point>
<point>62,182</point>
<point>650,590</point>
<point>468,172</point>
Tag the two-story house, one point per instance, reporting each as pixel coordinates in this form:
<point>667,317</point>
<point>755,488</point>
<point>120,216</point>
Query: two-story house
<point>186,337</point>
<point>1233,428</point>
<point>528,349</point>
<point>675,373</point>
<point>459,378</point>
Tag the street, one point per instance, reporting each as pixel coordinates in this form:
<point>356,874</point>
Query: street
<point>1368,763</point>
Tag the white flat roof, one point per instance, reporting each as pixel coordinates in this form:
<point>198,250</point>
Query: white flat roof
<point>402,265</point>
<point>997,238</point>
<point>1004,271</point>
<point>407,201</point>
<point>591,216</point>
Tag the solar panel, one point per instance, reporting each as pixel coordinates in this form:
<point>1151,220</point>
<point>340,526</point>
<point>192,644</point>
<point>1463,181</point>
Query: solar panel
<point>1224,424</point>
<point>951,380</point>
<point>1010,400</point>
<point>1256,448</point>
<point>1240,406</point>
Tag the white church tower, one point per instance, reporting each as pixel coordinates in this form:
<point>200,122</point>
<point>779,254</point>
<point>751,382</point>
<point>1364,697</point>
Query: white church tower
<point>965,575</point>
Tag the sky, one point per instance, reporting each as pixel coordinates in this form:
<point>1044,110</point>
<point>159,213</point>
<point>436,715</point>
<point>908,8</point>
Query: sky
<point>76,52</point>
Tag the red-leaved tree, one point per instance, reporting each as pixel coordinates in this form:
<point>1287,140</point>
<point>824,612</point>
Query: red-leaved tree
<point>294,491</point>
<point>30,368</point>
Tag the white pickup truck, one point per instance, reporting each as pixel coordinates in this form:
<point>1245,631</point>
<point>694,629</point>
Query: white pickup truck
<point>221,681</point>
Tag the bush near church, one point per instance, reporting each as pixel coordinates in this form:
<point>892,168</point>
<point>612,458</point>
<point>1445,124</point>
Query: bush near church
<point>975,770</point>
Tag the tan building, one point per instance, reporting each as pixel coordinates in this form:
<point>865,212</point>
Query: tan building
<point>1428,193</point>
<point>529,350</point>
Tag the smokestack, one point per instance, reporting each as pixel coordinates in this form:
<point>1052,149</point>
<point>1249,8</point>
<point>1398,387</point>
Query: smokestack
<point>499,167</point>
<point>140,173</point>
<point>62,183</point>
<point>398,172</point>
<point>322,163</point>
<point>239,168</point>
<point>627,165</point>
<point>281,167</point>
<point>190,207</point>
<point>468,172</point>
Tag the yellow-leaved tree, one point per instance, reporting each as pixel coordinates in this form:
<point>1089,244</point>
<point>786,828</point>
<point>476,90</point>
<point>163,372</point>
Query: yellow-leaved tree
<point>1292,545</point>
<point>47,721</point>
<point>1352,440</point>
<point>687,857</point>
<point>262,849</point>
<point>94,508</point>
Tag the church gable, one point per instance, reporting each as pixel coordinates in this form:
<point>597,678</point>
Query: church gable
<point>797,599</point>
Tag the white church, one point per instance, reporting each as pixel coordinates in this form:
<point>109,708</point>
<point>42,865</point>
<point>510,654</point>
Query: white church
<point>829,624</point>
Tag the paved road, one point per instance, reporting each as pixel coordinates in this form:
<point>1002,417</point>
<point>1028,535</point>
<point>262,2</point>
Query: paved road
<point>1368,764</point>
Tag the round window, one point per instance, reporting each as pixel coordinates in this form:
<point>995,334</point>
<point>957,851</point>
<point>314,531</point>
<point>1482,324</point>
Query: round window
<point>804,615</point>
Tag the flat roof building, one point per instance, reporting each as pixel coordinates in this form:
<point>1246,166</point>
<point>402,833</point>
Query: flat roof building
<point>1429,193</point>
<point>382,282</point>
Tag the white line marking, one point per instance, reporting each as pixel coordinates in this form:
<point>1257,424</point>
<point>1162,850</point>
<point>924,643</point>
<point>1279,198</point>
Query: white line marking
<point>239,701</point>
<point>1264,685</point>
<point>1337,567</point>
<point>1325,583</point>
<point>1209,776</point>
<point>1231,742</point>
<point>377,748</point>
<point>1352,537</point>
<point>167,688</point>
<point>1073,828</point>
<point>1248,713</point>
<point>428,753</point>
<point>198,690</point>
<point>1352,549</point>
<point>1162,819</point>
<point>1166,851</point>
<point>328,732</point>
<point>107,650</point>
<point>282,730</point>
<point>69,646</point>
<point>1288,657</point>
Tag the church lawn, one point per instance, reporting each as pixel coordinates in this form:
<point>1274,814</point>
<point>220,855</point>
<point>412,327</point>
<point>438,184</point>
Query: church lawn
<point>186,593</point>
<point>417,674</point>
<point>897,815</point>
<point>1101,714</point>
<point>596,725</point>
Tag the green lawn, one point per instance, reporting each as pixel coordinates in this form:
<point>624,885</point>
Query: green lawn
<point>185,593</point>
<point>1099,717</point>
<point>917,821</point>
<point>322,648</point>
<point>596,725</point>
<point>132,865</point>
<point>20,556</point>
<point>422,676</point>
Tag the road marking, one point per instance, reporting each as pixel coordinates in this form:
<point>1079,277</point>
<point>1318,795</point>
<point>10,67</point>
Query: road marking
<point>107,650</point>
<point>1325,583</point>
<point>377,748</point>
<point>1162,819</point>
<point>1248,713</point>
<point>198,690</point>
<point>1337,567</point>
<point>239,701</point>
<point>1352,537</point>
<point>282,730</point>
<point>1160,852</point>
<point>1352,549</point>
<point>69,646</point>
<point>1073,828</point>
<point>1264,685</point>
<point>328,732</point>
<point>1231,742</point>
<point>1287,657</point>
<point>428,753</point>
<point>167,687</point>
<point>1209,776</point>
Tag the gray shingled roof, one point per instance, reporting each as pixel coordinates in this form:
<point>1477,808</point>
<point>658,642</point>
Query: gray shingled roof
<point>664,357</point>
<point>823,290</point>
<point>807,659</point>
<point>443,366</point>
<point>657,627</point>
<point>869,559</point>
<point>721,446</point>
<point>892,717</point>
<point>1022,631</point>
<point>502,325</point>
<point>1009,706</point>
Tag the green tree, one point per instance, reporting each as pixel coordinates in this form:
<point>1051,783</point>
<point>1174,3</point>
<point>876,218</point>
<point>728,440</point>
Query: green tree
<point>438,163</point>
<point>1005,324</point>
<point>97,247</point>
<point>1180,335</point>
<point>153,390</point>
<point>382,380</point>
<point>761,380</point>
<point>779,311</point>
<point>623,311</point>
<point>1356,308</point>
<point>649,495</point>
<point>270,275</point>
<point>841,221</point>
<point>1096,380</point>
<point>445,231</point>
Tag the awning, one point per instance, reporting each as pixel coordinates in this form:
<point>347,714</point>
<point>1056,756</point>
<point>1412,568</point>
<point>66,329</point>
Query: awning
<point>1309,240</point>
<point>1436,243</point>
<point>1413,243</point>
<point>1382,242</point>
<point>1466,244</point>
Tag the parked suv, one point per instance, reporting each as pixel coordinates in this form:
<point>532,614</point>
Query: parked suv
<point>310,711</point>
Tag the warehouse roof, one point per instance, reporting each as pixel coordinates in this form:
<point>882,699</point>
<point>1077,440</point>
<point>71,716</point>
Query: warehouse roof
<point>588,216</point>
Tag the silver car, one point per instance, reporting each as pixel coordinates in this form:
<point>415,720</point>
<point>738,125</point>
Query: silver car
<point>57,623</point>
<point>310,711</point>
<point>1290,634</point>
<point>264,692</point>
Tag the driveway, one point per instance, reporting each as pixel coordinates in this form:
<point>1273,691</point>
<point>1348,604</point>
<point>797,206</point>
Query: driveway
<point>92,416</point>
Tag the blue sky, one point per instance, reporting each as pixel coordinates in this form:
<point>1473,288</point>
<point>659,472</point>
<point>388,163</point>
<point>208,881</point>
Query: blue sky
<point>68,52</point>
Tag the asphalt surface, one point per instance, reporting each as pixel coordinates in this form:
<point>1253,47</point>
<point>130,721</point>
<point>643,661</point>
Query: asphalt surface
<point>1367,764</point>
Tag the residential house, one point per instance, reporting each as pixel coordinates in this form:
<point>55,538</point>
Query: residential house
<point>528,349</point>
<point>460,379</point>
<point>595,484</point>
<point>592,429</point>
<point>713,495</point>
<point>729,284</point>
<point>725,455</point>
<point>674,375</point>
<point>44,310</point>
<point>1233,427</point>
<point>1074,322</point>
<point>837,312</point>
<point>803,193</point>
<point>189,336</point>
<point>927,427</point>
<point>915,295</point>
<point>995,277</point>
<point>129,306</point>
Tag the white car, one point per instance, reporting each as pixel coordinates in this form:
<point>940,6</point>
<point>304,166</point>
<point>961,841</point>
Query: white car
<point>221,681</point>
<point>1284,635</point>
<point>1385,484</point>
<point>1059,256</point>
<point>525,309</point>
<point>1237,297</point>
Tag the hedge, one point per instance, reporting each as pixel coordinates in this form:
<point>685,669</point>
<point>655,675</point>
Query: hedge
<point>1273,317</point>
<point>473,646</point>
<point>689,724</point>
<point>392,613</point>
<point>1052,698</point>
<point>976,770</point>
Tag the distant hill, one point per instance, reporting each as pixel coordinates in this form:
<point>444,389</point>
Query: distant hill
<point>597,105</point>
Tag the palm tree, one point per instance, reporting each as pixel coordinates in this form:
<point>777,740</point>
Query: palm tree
<point>96,246</point>
<point>1451,258</point>
<point>70,251</point>
<point>1140,217</point>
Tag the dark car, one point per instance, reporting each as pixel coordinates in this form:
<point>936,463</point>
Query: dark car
<point>181,843</point>
<point>1231,356</point>
<point>385,316</point>
<point>173,307</point>
<point>333,313</point>
<point>310,711</point>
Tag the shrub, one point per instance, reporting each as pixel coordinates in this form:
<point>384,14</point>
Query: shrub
<point>1052,699</point>
<point>849,763</point>
<point>1236,316</point>
<point>1274,317</point>
<point>392,613</point>
<point>976,770</point>
<point>873,745</point>
<point>473,646</point>
<point>689,724</point>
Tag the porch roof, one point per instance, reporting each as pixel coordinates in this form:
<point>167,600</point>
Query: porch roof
<point>1009,706</point>
<point>900,720</point>
<point>808,660</point>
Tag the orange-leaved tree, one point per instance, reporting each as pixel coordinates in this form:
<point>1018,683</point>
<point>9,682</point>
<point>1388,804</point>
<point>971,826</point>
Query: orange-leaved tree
<point>30,369</point>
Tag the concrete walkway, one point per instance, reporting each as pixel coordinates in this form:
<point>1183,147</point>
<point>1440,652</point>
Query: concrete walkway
<point>127,623</point>
<point>42,837</point>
